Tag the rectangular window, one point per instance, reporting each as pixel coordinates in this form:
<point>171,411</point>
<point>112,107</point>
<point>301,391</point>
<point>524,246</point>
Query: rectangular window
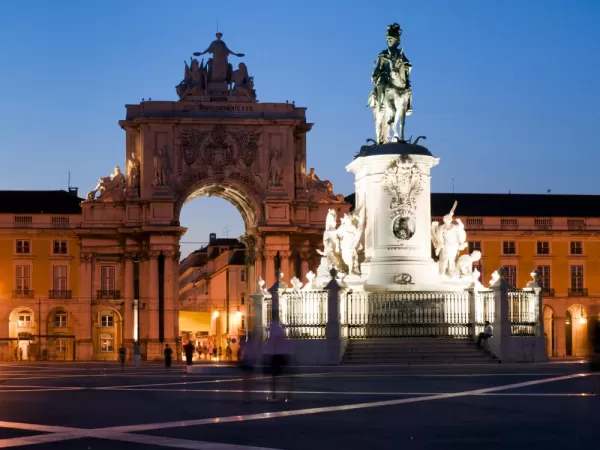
<point>510,275</point>
<point>544,277</point>
<point>61,345</point>
<point>576,248</point>
<point>23,246</point>
<point>243,275</point>
<point>106,343</point>
<point>474,245</point>
<point>59,247</point>
<point>107,278</point>
<point>24,319</point>
<point>59,278</point>
<point>577,278</point>
<point>243,299</point>
<point>60,319</point>
<point>543,248</point>
<point>23,281</point>
<point>107,320</point>
<point>509,248</point>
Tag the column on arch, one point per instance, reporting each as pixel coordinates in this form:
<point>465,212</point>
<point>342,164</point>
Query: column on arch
<point>170,295</point>
<point>128,315</point>
<point>152,301</point>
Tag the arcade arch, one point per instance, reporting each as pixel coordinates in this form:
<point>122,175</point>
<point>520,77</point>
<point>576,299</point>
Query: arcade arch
<point>22,329</point>
<point>576,331</point>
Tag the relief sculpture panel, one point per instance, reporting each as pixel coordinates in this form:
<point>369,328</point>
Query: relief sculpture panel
<point>219,154</point>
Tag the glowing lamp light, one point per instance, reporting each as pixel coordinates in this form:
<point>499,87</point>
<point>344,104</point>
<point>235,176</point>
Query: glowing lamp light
<point>239,314</point>
<point>582,320</point>
<point>215,314</point>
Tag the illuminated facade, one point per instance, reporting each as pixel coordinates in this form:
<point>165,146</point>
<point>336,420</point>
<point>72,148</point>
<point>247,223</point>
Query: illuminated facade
<point>40,311</point>
<point>214,291</point>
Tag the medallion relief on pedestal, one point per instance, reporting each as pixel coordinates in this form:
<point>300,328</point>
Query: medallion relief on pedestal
<point>403,180</point>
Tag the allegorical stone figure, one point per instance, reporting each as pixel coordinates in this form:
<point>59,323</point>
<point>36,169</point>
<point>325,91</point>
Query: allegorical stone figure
<point>161,168</point>
<point>133,172</point>
<point>111,188</point>
<point>448,239</point>
<point>392,95</point>
<point>220,69</point>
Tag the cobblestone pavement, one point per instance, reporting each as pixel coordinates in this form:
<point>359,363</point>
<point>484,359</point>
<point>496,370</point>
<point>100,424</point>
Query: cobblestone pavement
<point>97,406</point>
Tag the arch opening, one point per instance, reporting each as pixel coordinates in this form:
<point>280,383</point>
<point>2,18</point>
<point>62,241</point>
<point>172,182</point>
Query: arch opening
<point>217,272</point>
<point>576,331</point>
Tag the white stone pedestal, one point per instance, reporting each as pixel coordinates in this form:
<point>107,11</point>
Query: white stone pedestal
<point>392,183</point>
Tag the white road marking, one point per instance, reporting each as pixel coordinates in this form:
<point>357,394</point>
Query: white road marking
<point>121,433</point>
<point>324,409</point>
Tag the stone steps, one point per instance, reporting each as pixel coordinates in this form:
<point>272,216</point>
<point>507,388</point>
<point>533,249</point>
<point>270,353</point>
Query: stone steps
<point>415,351</point>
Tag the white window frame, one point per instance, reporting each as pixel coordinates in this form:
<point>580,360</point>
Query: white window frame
<point>23,277</point>
<point>60,247</point>
<point>544,246</point>
<point>60,319</point>
<point>514,246</point>
<point>22,322</point>
<point>107,343</point>
<point>60,345</point>
<point>576,245</point>
<point>108,278</point>
<point>508,276</point>
<point>107,319</point>
<point>542,276</point>
<point>60,281</point>
<point>21,245</point>
<point>573,277</point>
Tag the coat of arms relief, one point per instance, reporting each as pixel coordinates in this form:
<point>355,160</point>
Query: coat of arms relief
<point>403,180</point>
<point>219,154</point>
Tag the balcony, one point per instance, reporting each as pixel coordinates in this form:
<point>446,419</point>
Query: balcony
<point>108,295</point>
<point>578,292</point>
<point>23,293</point>
<point>60,294</point>
<point>548,292</point>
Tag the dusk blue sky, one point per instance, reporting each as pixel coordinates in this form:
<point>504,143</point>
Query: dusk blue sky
<point>506,92</point>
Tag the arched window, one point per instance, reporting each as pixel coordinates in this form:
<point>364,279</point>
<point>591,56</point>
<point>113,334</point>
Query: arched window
<point>107,319</point>
<point>60,319</point>
<point>106,343</point>
<point>24,318</point>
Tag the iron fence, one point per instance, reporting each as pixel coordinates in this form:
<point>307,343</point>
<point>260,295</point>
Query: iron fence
<point>407,314</point>
<point>523,312</point>
<point>485,306</point>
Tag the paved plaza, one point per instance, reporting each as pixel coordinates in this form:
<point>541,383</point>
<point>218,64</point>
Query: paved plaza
<point>96,406</point>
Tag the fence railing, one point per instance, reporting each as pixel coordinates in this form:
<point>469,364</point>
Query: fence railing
<point>304,313</point>
<point>407,314</point>
<point>485,308</point>
<point>523,312</point>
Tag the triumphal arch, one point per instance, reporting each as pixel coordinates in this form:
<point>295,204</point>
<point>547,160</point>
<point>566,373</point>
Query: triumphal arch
<point>216,140</point>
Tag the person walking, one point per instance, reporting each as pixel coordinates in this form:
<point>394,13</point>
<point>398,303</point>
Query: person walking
<point>189,353</point>
<point>122,352</point>
<point>168,356</point>
<point>250,355</point>
<point>279,357</point>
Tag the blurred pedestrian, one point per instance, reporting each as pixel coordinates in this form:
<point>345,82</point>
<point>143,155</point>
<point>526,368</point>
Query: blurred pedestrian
<point>250,355</point>
<point>189,353</point>
<point>168,356</point>
<point>122,352</point>
<point>279,352</point>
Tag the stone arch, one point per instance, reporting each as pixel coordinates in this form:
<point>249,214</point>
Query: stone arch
<point>22,329</point>
<point>576,332</point>
<point>549,316</point>
<point>245,199</point>
<point>107,332</point>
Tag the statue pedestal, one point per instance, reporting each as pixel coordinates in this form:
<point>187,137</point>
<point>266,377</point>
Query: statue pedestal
<point>392,183</point>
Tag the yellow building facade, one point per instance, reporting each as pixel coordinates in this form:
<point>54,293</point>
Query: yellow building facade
<point>558,236</point>
<point>39,262</point>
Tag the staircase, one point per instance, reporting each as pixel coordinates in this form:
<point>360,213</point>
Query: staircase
<point>417,351</point>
